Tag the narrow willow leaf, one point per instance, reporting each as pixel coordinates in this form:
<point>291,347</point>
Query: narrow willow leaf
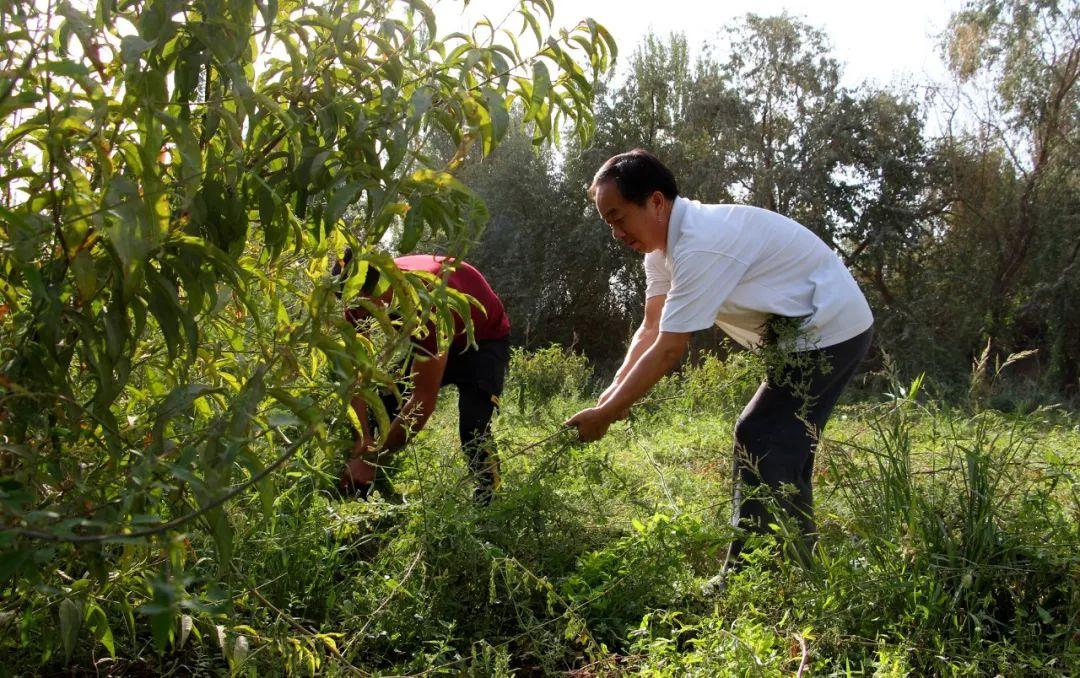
<point>71,619</point>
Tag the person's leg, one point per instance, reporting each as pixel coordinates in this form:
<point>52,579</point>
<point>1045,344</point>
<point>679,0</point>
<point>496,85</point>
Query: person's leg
<point>776,437</point>
<point>475,409</point>
<point>771,448</point>
<point>827,389</point>
<point>479,373</point>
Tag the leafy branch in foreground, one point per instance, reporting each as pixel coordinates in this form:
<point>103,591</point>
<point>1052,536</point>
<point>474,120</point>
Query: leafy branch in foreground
<point>175,175</point>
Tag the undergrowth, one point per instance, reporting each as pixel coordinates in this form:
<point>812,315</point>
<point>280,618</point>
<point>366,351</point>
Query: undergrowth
<point>949,545</point>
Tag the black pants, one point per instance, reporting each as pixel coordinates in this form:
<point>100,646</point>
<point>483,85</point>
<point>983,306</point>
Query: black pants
<point>479,374</point>
<point>776,437</point>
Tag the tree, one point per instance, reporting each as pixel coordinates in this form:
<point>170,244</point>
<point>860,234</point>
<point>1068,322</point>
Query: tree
<point>1029,53</point>
<point>175,175</point>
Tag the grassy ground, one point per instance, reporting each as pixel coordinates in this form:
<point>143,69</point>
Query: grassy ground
<point>950,544</point>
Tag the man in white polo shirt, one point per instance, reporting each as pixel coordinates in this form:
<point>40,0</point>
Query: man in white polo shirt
<point>766,281</point>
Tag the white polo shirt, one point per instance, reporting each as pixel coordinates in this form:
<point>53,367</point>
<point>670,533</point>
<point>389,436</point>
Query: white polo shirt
<point>735,266</point>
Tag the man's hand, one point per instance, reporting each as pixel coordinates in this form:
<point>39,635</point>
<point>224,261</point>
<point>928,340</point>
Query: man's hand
<point>591,424</point>
<point>357,475</point>
<point>359,471</point>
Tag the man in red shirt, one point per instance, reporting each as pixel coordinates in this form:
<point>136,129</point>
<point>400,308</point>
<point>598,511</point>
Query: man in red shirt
<point>478,372</point>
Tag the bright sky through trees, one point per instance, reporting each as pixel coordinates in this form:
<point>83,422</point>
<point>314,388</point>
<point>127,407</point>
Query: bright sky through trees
<point>878,41</point>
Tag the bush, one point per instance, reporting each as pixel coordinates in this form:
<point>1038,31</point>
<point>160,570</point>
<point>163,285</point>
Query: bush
<point>537,377</point>
<point>714,384</point>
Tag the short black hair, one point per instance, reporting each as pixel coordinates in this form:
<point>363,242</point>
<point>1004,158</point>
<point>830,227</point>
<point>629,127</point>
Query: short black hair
<point>637,174</point>
<point>371,277</point>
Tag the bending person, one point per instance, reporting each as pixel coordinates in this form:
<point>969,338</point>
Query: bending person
<point>768,282</point>
<point>478,372</point>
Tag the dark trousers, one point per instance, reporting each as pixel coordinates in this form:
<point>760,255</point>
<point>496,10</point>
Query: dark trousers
<point>479,374</point>
<point>475,409</point>
<point>776,437</point>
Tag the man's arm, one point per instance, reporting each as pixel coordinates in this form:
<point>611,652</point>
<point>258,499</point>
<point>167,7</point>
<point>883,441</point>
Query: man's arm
<point>363,438</point>
<point>654,363</point>
<point>644,338</point>
<point>427,378</point>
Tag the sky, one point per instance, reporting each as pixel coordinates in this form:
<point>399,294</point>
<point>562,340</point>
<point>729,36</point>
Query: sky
<point>880,42</point>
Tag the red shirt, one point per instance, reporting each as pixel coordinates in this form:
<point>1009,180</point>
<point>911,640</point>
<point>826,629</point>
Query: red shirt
<point>465,278</point>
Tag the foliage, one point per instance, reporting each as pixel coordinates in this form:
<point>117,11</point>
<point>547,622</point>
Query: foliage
<point>541,375</point>
<point>1013,220</point>
<point>948,545</point>
<point>175,175</point>
<point>715,383</point>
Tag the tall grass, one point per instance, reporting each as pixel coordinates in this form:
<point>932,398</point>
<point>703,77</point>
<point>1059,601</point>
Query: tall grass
<point>950,545</point>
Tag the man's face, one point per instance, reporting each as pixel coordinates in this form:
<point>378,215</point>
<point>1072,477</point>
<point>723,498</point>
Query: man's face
<point>639,227</point>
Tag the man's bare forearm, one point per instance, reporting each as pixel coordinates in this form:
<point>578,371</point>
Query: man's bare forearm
<point>592,423</point>
<point>412,417</point>
<point>642,341</point>
<point>652,365</point>
<point>644,338</point>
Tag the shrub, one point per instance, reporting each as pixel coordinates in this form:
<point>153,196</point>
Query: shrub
<point>716,383</point>
<point>537,377</point>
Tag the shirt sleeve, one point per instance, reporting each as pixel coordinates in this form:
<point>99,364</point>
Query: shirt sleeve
<point>701,282</point>
<point>657,274</point>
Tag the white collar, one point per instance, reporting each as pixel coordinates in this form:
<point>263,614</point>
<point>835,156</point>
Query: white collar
<point>675,223</point>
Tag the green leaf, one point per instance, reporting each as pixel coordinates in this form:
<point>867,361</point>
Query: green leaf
<point>265,487</point>
<point>269,10</point>
<point>428,17</point>
<point>500,118</point>
<point>132,48</point>
<point>223,537</point>
<point>69,69</point>
<point>71,618</point>
<point>82,266</point>
<point>300,406</point>
<point>419,103</point>
<point>15,102</point>
<point>164,305</point>
<point>161,623</point>
<point>340,200</point>
<point>179,400</point>
<point>530,21</point>
<point>412,230</point>
<point>190,62</point>
<point>541,83</point>
<point>99,625</point>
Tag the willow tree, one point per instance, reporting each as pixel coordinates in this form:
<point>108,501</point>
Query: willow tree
<point>175,177</point>
<point>1015,186</point>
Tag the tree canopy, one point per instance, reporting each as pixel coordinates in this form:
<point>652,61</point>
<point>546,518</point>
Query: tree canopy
<point>176,177</point>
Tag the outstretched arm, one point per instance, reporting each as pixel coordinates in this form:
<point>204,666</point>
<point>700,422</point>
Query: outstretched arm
<point>427,377</point>
<point>644,338</point>
<point>654,363</point>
